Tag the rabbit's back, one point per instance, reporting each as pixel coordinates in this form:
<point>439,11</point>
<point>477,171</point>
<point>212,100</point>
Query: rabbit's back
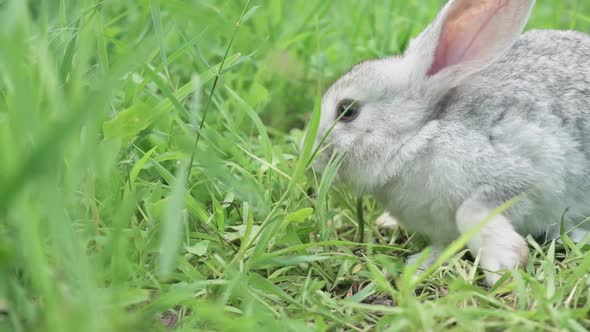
<point>550,65</point>
<point>524,123</point>
<point>543,83</point>
<point>544,67</point>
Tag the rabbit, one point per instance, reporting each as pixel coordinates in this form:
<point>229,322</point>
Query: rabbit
<point>473,114</point>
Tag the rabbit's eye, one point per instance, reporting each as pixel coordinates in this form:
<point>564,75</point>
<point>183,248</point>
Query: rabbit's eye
<point>347,110</point>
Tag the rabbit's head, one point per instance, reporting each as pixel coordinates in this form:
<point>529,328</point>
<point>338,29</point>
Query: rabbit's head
<point>379,112</point>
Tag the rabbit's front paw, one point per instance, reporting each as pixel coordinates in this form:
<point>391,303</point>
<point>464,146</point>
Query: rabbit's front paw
<point>495,259</point>
<point>386,221</point>
<point>498,244</point>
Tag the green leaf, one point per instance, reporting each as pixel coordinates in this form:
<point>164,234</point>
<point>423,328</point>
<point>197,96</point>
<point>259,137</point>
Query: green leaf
<point>139,165</point>
<point>172,225</point>
<point>68,58</point>
<point>258,95</point>
<point>239,232</point>
<point>157,21</point>
<point>132,296</point>
<point>128,123</point>
<point>198,249</point>
<point>328,176</point>
<point>300,215</point>
<point>287,260</point>
<point>308,142</point>
<point>248,224</point>
<point>264,139</point>
<point>166,89</point>
<point>219,215</point>
<point>249,13</point>
<point>365,292</point>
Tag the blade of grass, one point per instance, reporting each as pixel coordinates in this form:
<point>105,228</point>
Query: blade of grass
<point>44,153</point>
<point>139,165</point>
<point>360,218</point>
<point>215,81</point>
<point>68,57</point>
<point>157,22</point>
<point>297,173</point>
<point>172,226</point>
<point>166,90</point>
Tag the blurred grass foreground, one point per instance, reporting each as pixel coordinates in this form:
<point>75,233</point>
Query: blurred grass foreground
<point>151,178</point>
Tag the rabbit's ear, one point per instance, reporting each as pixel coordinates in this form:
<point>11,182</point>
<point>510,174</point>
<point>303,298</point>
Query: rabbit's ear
<point>468,35</point>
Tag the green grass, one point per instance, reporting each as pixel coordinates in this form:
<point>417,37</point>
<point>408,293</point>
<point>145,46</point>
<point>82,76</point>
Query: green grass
<point>104,227</point>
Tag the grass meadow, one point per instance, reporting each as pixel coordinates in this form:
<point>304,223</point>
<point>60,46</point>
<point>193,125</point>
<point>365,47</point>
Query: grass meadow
<point>151,177</point>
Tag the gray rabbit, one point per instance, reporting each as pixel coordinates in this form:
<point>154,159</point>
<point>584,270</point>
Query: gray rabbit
<point>472,115</point>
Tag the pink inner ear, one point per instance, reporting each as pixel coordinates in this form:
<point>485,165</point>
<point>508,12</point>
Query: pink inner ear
<point>468,30</point>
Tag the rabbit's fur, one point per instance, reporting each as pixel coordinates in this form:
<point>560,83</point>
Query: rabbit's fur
<point>442,139</point>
